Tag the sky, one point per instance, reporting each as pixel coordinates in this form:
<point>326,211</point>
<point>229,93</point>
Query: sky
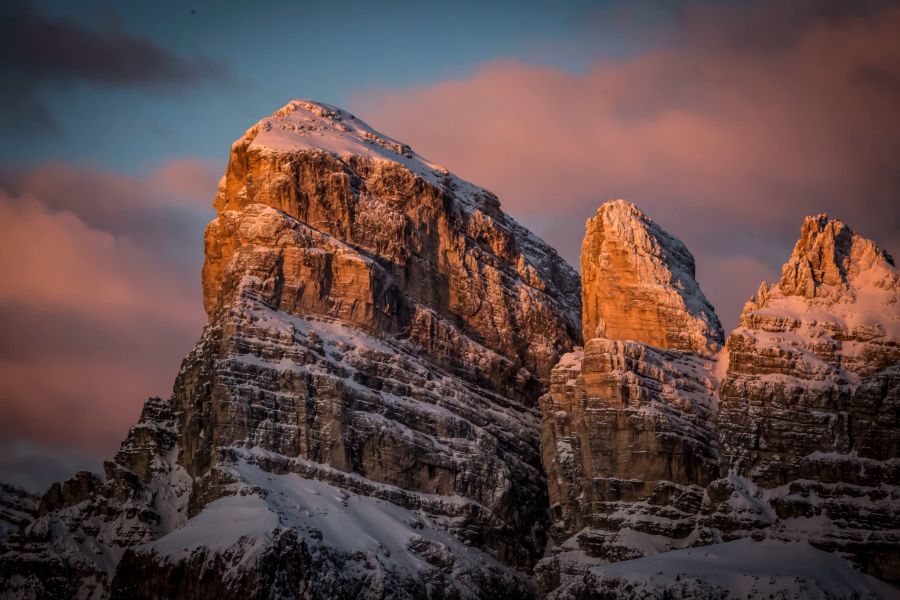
<point>727,122</point>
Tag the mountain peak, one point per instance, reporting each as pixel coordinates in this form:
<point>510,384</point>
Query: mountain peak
<point>638,284</point>
<point>333,134</point>
<point>835,277</point>
<point>828,259</point>
<point>306,125</point>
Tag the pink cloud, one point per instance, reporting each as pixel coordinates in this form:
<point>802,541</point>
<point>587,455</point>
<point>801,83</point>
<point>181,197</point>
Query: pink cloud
<point>101,297</point>
<point>733,128</point>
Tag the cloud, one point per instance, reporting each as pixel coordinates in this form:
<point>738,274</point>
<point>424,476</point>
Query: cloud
<point>100,299</point>
<point>36,50</point>
<point>732,126</point>
<point>32,467</point>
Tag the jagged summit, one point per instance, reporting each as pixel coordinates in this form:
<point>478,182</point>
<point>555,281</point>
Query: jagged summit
<point>638,284</point>
<point>829,259</point>
<point>836,276</point>
<point>808,406</point>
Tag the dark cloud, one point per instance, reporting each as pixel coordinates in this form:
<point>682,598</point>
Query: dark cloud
<point>36,466</point>
<point>37,50</point>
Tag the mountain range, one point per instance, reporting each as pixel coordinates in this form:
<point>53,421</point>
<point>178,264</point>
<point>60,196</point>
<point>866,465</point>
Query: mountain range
<point>401,392</point>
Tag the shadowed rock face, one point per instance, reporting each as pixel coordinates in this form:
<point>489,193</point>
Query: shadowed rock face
<point>359,417</point>
<point>17,509</point>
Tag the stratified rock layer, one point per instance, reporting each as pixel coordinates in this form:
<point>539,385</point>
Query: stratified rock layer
<point>359,417</point>
<point>810,406</point>
<point>628,430</point>
<point>17,509</point>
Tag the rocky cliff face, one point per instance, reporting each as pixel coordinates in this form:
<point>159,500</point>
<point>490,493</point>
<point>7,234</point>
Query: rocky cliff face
<point>628,431</point>
<point>809,417</point>
<point>359,417</point>
<point>638,284</point>
<point>797,445</point>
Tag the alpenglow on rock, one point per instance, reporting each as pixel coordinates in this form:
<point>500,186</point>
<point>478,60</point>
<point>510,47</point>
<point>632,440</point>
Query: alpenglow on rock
<point>638,284</point>
<point>628,432</point>
<point>358,418</point>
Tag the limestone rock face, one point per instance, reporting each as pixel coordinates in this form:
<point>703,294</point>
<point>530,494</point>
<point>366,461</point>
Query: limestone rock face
<point>809,415</point>
<point>628,431</point>
<point>359,416</point>
<point>456,262</point>
<point>638,284</point>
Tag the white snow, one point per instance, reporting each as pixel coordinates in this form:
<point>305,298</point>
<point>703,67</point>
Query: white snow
<point>306,125</point>
<point>746,569</point>
<point>220,525</point>
<point>320,512</point>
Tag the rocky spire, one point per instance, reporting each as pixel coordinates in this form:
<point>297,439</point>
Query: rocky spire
<point>638,284</point>
<point>828,258</point>
<point>845,279</point>
<point>809,402</point>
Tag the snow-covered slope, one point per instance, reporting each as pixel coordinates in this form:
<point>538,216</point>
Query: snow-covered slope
<point>740,570</point>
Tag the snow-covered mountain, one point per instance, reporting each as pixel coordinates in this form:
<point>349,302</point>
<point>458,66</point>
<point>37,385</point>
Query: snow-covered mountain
<point>761,456</point>
<point>359,417</point>
<point>392,399</point>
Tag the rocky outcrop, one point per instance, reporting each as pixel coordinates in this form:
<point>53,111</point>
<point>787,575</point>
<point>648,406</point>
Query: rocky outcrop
<point>391,366</point>
<point>809,417</point>
<point>17,509</point>
<point>84,525</point>
<point>359,417</point>
<point>638,284</point>
<point>628,431</point>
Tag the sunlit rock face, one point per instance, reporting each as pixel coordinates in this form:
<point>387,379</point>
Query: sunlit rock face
<point>809,416</point>
<point>628,432</point>
<point>638,284</point>
<point>443,258</point>
<point>358,419</point>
